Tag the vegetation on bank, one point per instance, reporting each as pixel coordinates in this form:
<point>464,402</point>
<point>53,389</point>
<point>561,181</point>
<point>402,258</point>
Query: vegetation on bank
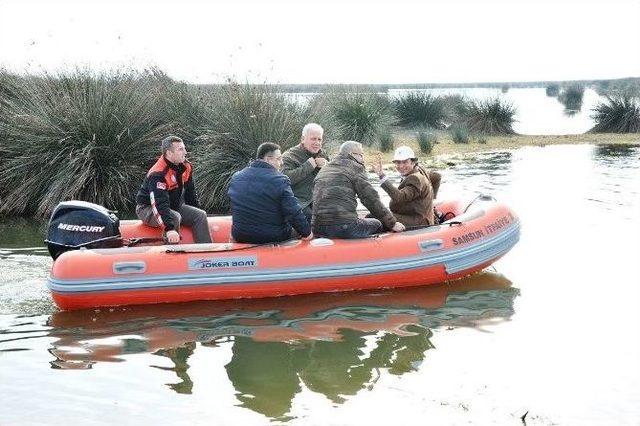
<point>421,109</point>
<point>80,136</point>
<point>552,90</point>
<point>617,114</point>
<point>486,116</point>
<point>93,136</point>
<point>571,97</point>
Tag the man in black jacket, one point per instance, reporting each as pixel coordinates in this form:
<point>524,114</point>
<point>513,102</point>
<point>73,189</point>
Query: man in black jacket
<point>263,206</point>
<point>167,197</point>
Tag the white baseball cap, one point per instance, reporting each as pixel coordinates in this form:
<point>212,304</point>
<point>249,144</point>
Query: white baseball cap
<point>403,153</point>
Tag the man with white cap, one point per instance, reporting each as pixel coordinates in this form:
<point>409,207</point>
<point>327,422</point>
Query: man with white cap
<point>412,201</point>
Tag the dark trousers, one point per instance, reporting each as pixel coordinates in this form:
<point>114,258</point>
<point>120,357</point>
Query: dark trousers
<point>361,228</point>
<point>187,215</point>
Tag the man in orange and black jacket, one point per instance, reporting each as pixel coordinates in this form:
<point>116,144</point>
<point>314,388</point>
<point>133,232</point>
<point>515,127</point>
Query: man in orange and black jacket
<point>167,197</point>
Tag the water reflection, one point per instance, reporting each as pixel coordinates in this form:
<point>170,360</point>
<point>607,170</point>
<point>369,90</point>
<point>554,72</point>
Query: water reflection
<point>179,356</point>
<point>332,344</point>
<point>573,111</point>
<point>22,232</point>
<point>614,152</point>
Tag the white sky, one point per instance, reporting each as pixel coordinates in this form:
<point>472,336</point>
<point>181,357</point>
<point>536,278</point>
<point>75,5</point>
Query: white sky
<point>390,41</point>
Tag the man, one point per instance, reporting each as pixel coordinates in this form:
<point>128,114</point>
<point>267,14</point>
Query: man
<point>167,197</point>
<point>263,207</point>
<point>412,201</point>
<point>334,198</point>
<point>303,162</point>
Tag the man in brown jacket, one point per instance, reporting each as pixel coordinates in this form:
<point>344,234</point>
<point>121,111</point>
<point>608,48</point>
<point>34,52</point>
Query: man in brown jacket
<point>334,198</point>
<point>412,201</point>
<point>302,163</point>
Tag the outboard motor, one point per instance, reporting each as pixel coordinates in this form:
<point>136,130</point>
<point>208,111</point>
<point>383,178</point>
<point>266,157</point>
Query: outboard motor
<point>77,224</point>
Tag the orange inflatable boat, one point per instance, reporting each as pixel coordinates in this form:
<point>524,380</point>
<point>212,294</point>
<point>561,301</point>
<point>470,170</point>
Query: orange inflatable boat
<point>478,233</point>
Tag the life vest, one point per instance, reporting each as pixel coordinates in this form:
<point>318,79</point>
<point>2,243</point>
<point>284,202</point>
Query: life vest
<point>170,176</point>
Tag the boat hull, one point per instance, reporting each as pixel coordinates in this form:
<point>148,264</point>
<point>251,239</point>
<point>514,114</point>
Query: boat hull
<point>189,272</point>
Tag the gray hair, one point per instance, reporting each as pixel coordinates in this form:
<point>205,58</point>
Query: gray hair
<point>349,146</point>
<point>310,127</point>
<point>167,143</point>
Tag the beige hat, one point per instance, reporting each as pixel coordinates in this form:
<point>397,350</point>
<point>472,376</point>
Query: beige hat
<point>403,153</point>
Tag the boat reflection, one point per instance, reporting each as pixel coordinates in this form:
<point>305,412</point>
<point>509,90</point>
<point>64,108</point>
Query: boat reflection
<point>335,344</point>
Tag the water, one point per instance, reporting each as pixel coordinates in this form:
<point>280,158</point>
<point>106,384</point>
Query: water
<point>552,331</point>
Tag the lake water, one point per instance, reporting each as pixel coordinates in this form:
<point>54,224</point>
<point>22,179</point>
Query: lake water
<point>550,331</point>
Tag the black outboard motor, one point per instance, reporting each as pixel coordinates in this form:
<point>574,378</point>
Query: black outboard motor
<point>76,224</point>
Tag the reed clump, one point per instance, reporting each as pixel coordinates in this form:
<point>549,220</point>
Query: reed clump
<point>571,97</point>
<point>360,116</point>
<point>459,133</point>
<point>245,116</point>
<point>386,141</point>
<point>552,90</point>
<point>420,109</point>
<point>488,116</point>
<point>617,114</point>
<point>426,141</point>
<point>79,135</point>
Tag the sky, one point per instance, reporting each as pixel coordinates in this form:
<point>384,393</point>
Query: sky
<point>375,41</point>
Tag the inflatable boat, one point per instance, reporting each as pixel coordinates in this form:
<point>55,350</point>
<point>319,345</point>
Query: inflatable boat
<point>126,272</point>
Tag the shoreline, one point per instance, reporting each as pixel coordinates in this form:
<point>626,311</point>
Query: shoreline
<point>446,146</point>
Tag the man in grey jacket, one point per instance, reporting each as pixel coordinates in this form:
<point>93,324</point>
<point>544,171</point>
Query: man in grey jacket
<point>302,163</point>
<point>334,198</point>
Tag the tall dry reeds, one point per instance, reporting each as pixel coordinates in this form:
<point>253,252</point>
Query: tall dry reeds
<point>78,135</point>
<point>420,109</point>
<point>358,116</point>
<point>617,114</point>
<point>486,116</point>
<point>244,116</point>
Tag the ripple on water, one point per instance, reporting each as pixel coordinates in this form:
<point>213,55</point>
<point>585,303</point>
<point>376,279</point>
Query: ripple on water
<point>22,284</point>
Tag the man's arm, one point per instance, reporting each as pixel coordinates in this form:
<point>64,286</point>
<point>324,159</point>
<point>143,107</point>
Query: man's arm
<point>410,191</point>
<point>159,198</point>
<point>435,178</point>
<point>293,212</point>
<point>297,172</point>
<point>369,197</point>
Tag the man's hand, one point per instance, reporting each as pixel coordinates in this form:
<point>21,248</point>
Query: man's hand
<point>173,237</point>
<point>398,227</point>
<point>320,162</point>
<point>377,166</point>
<point>313,162</point>
<point>308,237</point>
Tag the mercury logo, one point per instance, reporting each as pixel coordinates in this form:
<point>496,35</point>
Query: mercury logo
<point>80,228</point>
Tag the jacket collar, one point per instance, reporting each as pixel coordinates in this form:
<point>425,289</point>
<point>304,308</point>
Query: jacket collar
<point>177,167</point>
<point>349,160</point>
<point>308,154</point>
<point>261,164</point>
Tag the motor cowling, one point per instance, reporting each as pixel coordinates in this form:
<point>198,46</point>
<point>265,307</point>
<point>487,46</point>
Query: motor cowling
<point>77,224</point>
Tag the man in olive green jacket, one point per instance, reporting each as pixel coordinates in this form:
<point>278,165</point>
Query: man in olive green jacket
<point>302,163</point>
<point>334,198</point>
